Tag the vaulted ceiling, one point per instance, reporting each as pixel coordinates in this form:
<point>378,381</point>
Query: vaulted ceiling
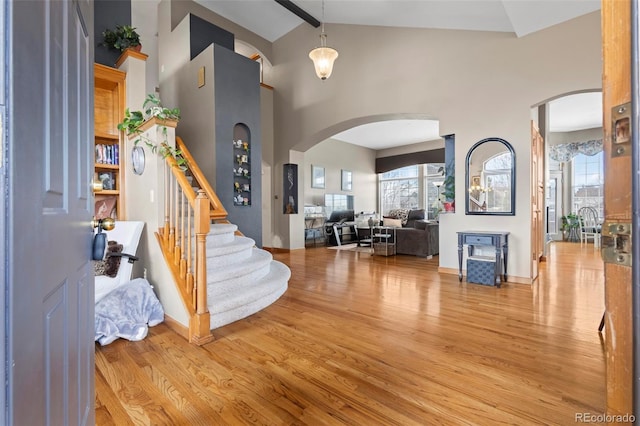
<point>271,21</point>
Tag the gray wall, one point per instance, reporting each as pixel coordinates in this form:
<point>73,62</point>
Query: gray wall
<point>230,96</point>
<point>237,97</point>
<point>108,14</point>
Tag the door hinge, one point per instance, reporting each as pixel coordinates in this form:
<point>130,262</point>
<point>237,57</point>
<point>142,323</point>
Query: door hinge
<point>616,243</point>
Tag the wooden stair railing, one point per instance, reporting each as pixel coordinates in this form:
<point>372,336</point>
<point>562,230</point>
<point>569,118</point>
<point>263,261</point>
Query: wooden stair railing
<point>217,211</point>
<point>183,242</point>
<point>218,214</point>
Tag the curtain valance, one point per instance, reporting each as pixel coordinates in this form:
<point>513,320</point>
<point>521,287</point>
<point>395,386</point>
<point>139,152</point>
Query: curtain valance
<point>385,164</point>
<point>565,152</point>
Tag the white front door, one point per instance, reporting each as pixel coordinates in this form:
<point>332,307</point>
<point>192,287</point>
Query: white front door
<point>47,210</point>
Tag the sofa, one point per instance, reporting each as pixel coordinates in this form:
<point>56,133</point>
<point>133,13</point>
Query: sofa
<point>414,235</point>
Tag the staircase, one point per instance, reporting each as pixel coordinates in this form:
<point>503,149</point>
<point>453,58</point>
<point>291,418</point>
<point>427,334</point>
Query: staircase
<point>241,279</point>
<point>221,275</point>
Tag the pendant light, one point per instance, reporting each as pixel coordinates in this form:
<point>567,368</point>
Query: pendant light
<point>323,56</point>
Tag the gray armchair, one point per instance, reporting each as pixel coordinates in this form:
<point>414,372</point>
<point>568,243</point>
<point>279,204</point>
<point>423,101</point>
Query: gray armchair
<point>421,240</point>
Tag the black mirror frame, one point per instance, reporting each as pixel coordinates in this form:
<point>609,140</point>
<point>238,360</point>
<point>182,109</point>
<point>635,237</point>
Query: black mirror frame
<point>513,179</point>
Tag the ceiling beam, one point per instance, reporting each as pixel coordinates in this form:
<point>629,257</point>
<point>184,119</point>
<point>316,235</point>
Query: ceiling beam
<point>293,8</point>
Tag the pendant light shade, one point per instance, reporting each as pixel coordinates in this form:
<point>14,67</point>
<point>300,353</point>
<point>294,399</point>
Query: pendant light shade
<point>323,56</point>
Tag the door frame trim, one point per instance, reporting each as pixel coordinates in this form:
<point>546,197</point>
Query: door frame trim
<point>635,193</point>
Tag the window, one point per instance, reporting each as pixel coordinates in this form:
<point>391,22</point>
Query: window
<point>433,181</point>
<point>587,182</point>
<point>411,187</point>
<point>399,189</point>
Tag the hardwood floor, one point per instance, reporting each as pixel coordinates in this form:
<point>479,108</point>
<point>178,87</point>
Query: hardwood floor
<point>362,340</point>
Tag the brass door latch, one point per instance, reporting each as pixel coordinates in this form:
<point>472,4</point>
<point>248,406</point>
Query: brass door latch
<point>616,243</point>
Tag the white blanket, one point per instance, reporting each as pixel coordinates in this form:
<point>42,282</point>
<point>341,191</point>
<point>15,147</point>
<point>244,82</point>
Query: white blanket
<point>127,312</point>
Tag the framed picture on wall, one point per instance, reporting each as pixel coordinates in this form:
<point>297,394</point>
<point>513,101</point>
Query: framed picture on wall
<point>317,177</point>
<point>347,180</point>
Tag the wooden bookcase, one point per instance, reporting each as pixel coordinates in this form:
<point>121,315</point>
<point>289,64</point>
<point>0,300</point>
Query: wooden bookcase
<point>109,155</point>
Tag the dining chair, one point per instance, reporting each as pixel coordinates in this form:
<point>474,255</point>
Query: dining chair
<point>590,226</point>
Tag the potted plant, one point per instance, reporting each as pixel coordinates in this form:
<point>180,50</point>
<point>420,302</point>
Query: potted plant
<point>153,108</point>
<point>122,38</point>
<point>449,190</point>
<point>570,227</point>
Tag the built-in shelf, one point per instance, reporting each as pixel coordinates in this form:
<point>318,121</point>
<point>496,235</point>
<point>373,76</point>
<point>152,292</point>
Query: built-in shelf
<point>109,105</point>
<point>241,167</point>
<point>106,166</point>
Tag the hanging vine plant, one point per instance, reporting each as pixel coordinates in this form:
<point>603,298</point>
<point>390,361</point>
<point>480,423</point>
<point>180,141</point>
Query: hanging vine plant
<point>152,108</point>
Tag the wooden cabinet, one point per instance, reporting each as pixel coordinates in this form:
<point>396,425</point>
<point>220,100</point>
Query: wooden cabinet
<point>109,105</point>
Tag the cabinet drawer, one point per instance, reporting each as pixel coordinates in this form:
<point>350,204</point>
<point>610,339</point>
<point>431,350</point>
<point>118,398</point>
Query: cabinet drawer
<point>478,239</point>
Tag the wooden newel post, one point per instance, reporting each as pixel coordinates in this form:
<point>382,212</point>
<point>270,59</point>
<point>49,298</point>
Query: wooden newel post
<point>202,227</point>
<point>200,331</point>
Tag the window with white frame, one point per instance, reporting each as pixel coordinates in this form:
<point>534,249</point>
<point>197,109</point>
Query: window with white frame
<point>587,182</point>
<point>411,187</point>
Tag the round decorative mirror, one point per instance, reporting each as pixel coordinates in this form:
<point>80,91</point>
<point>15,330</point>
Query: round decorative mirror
<point>490,179</point>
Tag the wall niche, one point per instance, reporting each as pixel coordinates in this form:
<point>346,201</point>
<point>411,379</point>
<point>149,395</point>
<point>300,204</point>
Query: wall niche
<point>242,165</point>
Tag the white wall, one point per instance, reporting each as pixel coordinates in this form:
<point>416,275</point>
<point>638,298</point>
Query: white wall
<point>557,138</point>
<point>144,17</point>
<point>336,156</point>
<point>477,84</point>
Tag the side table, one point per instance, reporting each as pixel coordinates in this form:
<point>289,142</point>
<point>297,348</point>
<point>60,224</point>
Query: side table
<point>384,240</point>
<point>500,242</point>
<point>364,236</point>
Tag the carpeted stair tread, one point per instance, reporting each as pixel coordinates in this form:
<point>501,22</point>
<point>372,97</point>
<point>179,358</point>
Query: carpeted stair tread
<point>277,277</point>
<point>229,271</point>
<point>223,318</point>
<point>222,228</point>
<point>221,233</point>
<point>237,244</point>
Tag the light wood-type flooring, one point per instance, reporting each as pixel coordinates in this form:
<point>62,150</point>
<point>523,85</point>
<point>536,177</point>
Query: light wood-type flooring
<point>370,340</point>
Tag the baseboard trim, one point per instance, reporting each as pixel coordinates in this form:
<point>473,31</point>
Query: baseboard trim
<point>276,250</point>
<point>176,326</point>
<point>280,250</point>
<point>512,279</point>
